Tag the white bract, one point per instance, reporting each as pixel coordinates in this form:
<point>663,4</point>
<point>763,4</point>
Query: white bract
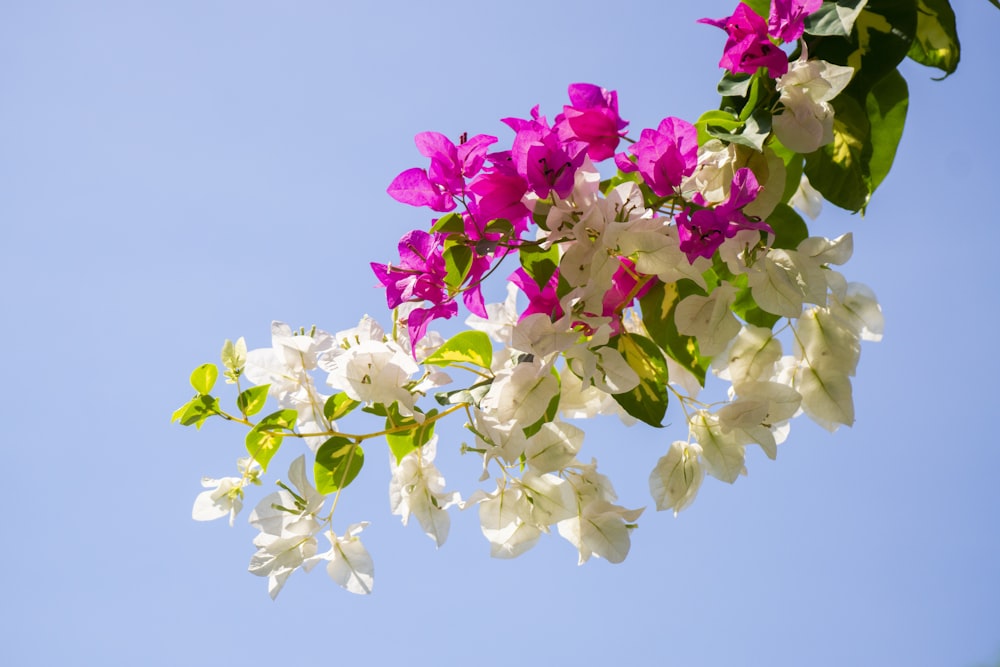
<point>688,266</point>
<point>288,522</point>
<point>806,91</point>
<point>225,496</point>
<point>417,489</point>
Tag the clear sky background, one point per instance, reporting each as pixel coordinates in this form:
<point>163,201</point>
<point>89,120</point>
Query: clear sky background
<point>177,173</point>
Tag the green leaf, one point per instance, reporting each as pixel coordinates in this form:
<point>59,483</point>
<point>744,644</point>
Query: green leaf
<point>539,263</point>
<point>265,438</point>
<point>252,401</point>
<point>203,378</point>
<point>834,19</point>
<point>338,462</point>
<point>887,105</point>
<point>648,401</point>
<point>995,3</point>
<point>500,226</point>
<point>402,443</point>
<point>473,395</point>
<point>837,170</point>
<point>451,223</point>
<point>658,305</point>
<point>720,120</point>
<point>457,262</point>
<point>789,227</point>
<point>761,7</point>
<point>936,43</point>
<point>882,35</point>
<point>196,411</point>
<point>793,168</point>
<point>472,347</point>
<point>339,405</point>
<point>752,133</point>
<point>734,85</point>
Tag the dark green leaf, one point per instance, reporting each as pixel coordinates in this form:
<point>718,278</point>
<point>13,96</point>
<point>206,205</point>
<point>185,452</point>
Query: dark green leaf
<point>734,85</point>
<point>472,347</point>
<point>403,442</point>
<point>539,263</point>
<point>837,170</point>
<point>936,43</point>
<point>793,167</point>
<point>721,121</point>
<point>338,405</point>
<point>457,261</point>
<point>752,133</point>
<point>203,378</point>
<point>648,401</point>
<point>658,305</point>
<point>746,308</point>
<point>883,33</point>
<point>473,395</point>
<point>338,462</point>
<point>789,227</point>
<point>265,438</point>
<point>196,411</point>
<point>251,401</point>
<point>500,226</point>
<point>887,105</point>
<point>834,19</point>
<point>451,223</point>
<point>761,7</point>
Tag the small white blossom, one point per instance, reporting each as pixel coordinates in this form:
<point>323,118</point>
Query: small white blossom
<point>806,91</point>
<point>225,496</point>
<point>417,489</point>
<point>348,561</point>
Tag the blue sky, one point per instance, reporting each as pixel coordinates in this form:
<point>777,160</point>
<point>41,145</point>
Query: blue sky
<point>177,173</point>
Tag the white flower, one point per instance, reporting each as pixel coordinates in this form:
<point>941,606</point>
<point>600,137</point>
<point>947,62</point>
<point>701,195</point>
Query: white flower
<point>501,317</point>
<point>599,527</point>
<point>807,199</point>
<point>806,91</point>
<point>417,489</point>
<point>288,525</point>
<point>225,496</point>
<point>506,521</point>
<point>348,562</point>
<point>675,480</point>
<point>709,319</point>
<point>285,366</point>
<point>369,369</point>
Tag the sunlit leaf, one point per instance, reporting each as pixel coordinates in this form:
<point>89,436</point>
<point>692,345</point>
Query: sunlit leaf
<point>203,378</point>
<point>472,347</point>
<point>338,462</point>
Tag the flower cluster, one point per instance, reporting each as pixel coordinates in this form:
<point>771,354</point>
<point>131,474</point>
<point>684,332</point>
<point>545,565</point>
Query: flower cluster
<point>627,294</point>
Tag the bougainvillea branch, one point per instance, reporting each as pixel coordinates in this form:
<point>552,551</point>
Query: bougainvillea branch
<point>626,295</point>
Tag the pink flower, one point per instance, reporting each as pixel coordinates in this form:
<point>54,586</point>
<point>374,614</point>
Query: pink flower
<point>419,276</point>
<point>749,47</point>
<point>541,158</point>
<point>592,117</point>
<point>787,20</point>
<point>540,299</point>
<point>665,155</point>
<point>701,232</point>
<point>616,299</point>
<point>451,165</point>
<point>497,192</point>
